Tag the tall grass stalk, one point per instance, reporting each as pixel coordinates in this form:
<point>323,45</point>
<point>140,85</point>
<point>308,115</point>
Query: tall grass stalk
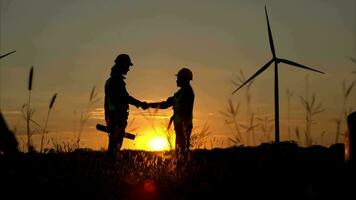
<point>44,131</point>
<point>198,138</point>
<point>241,79</point>
<point>297,134</point>
<point>289,96</point>
<point>169,134</point>
<point>64,147</point>
<point>29,111</point>
<point>267,127</point>
<point>250,130</point>
<point>312,108</point>
<point>341,120</point>
<point>230,116</point>
<point>85,116</point>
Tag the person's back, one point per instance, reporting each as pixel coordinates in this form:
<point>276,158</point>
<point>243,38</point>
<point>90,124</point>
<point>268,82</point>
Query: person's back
<point>183,106</point>
<point>116,96</point>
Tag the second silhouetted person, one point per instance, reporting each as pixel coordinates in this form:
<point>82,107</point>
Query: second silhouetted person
<point>182,102</point>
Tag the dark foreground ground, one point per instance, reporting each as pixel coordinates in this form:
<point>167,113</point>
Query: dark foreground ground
<point>268,171</point>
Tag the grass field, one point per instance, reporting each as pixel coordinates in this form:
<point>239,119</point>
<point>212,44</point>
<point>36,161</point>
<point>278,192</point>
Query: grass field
<point>285,171</point>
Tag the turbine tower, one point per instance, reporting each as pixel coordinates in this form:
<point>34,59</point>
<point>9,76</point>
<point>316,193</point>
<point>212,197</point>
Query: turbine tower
<point>276,60</point>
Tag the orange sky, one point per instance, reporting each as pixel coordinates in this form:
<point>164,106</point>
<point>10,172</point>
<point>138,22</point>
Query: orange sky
<point>72,46</point>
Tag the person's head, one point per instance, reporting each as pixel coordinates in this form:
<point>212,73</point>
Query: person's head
<point>123,63</point>
<point>184,75</point>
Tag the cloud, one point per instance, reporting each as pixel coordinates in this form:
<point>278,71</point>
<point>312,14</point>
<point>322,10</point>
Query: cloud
<point>11,112</point>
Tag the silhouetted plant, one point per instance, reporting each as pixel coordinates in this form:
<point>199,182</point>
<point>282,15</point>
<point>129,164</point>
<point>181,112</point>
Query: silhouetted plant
<point>312,108</point>
<point>230,117</point>
<point>322,135</point>
<point>28,112</point>
<point>341,120</point>
<point>289,96</point>
<point>170,137</point>
<point>212,141</point>
<point>250,129</point>
<point>248,132</point>
<point>241,78</point>
<point>64,147</point>
<point>85,116</point>
<point>198,138</point>
<point>266,127</point>
<point>297,134</point>
<point>44,131</point>
<point>218,142</point>
<point>354,60</point>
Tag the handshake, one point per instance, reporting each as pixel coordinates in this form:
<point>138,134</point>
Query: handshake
<point>144,105</point>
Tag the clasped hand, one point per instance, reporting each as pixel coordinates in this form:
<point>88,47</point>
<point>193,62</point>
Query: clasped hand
<point>144,105</point>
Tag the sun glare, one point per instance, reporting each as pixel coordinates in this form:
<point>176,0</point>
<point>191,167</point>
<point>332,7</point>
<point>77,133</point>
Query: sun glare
<point>152,142</point>
<point>158,144</point>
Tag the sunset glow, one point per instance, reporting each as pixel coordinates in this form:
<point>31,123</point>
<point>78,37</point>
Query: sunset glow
<point>158,144</point>
<point>151,141</point>
<point>221,43</point>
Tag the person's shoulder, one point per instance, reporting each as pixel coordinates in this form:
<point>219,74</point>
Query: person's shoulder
<point>178,92</point>
<point>116,78</point>
<point>188,89</point>
<point>190,92</point>
<point>108,81</point>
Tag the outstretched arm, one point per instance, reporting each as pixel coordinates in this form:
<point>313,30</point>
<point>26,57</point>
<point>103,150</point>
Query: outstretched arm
<point>162,105</point>
<point>137,103</point>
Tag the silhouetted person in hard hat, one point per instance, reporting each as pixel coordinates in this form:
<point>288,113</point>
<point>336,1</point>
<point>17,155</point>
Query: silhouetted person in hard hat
<point>182,102</point>
<point>117,101</point>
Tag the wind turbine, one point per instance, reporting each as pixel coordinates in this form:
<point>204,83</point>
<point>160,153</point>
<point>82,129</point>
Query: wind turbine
<point>276,60</point>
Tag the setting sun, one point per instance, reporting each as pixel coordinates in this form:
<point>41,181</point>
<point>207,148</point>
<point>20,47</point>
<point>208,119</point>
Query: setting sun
<point>151,141</point>
<point>158,144</point>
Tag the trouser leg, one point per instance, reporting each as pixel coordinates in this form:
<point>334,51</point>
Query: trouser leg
<point>181,145</point>
<point>183,138</point>
<point>115,139</point>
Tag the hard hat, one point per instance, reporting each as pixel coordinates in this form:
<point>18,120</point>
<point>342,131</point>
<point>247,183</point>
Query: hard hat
<point>123,59</point>
<point>185,74</point>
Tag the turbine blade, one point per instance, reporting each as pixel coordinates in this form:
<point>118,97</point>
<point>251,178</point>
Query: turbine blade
<point>353,59</point>
<point>298,65</point>
<point>7,54</point>
<point>270,36</point>
<point>256,74</point>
